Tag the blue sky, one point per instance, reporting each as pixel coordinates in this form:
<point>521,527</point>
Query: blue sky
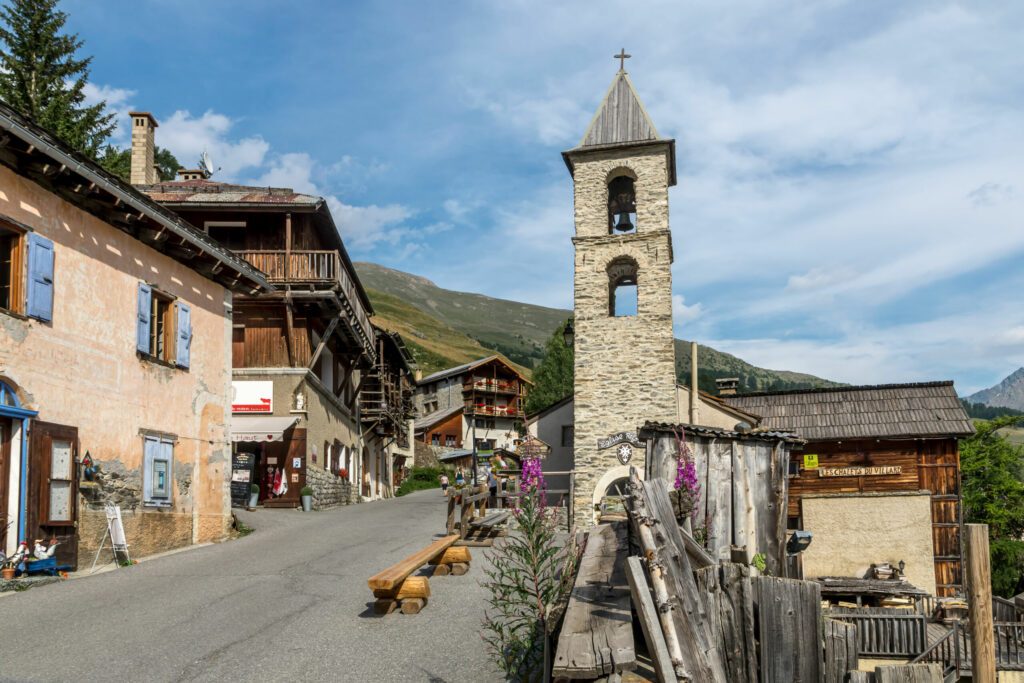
<point>851,174</point>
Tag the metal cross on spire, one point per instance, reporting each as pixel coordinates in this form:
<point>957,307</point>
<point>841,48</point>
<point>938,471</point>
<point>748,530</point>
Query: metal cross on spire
<point>622,57</point>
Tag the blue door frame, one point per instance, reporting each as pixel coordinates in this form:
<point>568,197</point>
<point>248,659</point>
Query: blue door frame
<point>18,413</point>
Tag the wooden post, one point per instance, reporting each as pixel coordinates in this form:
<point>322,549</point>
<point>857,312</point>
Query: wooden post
<point>979,603</point>
<point>450,526</point>
<point>287,246</point>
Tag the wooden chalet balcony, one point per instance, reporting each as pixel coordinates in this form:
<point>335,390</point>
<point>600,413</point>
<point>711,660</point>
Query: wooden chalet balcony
<point>510,410</point>
<point>321,268</point>
<point>496,386</point>
<point>296,266</point>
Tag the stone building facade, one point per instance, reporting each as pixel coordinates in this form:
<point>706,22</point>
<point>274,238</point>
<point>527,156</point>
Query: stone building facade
<point>624,359</point>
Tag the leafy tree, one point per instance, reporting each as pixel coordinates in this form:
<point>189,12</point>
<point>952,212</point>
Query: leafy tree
<point>119,162</point>
<point>552,380</point>
<point>993,494</point>
<point>42,77</point>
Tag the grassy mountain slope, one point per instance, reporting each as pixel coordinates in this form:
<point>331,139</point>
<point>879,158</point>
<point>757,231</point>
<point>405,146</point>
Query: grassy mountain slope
<point>434,345</point>
<point>517,330</point>
<point>713,364</point>
<point>446,328</point>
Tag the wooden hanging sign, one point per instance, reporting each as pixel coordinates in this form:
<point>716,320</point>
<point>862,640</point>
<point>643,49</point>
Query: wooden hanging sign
<point>860,471</point>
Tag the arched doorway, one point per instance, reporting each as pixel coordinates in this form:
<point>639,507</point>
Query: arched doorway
<point>610,488</point>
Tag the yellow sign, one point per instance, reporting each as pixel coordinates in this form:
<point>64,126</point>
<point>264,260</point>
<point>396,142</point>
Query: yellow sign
<point>810,461</point>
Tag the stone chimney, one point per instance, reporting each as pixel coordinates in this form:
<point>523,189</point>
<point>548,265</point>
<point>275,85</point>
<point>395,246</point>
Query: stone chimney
<point>144,170</point>
<point>727,386</point>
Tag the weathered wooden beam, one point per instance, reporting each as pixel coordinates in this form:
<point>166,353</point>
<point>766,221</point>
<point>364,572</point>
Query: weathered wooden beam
<point>979,603</point>
<point>597,630</point>
<point>913,673</point>
<point>331,326</point>
<point>648,614</point>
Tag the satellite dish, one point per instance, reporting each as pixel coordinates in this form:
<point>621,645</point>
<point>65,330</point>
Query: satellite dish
<point>205,165</point>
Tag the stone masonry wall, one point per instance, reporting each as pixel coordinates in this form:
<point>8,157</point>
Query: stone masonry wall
<point>329,491</point>
<point>625,366</point>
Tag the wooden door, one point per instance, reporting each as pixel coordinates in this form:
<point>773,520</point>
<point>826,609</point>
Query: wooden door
<point>53,489</point>
<point>6,432</point>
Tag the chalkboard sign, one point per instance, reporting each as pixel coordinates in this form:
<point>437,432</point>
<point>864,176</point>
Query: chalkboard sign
<point>241,477</point>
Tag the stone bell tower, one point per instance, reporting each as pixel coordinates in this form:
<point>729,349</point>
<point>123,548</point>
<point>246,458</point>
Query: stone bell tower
<point>625,357</point>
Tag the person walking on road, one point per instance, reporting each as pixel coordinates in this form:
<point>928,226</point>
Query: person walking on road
<point>444,484</point>
<point>460,478</point>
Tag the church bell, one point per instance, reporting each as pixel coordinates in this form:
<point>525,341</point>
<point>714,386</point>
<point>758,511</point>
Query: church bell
<point>623,224</point>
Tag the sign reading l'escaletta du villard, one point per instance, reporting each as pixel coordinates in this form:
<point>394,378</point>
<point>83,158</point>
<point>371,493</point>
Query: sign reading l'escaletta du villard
<point>626,442</point>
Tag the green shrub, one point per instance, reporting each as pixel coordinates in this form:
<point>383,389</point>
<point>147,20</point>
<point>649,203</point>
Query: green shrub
<point>306,491</point>
<point>421,478</point>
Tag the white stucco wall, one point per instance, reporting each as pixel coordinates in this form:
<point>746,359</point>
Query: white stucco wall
<point>852,531</point>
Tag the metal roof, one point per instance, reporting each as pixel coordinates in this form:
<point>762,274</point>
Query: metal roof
<point>200,192</point>
<point>870,411</point>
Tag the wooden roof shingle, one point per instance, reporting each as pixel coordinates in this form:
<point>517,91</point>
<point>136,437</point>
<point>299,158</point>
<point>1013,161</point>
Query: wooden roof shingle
<point>924,409</point>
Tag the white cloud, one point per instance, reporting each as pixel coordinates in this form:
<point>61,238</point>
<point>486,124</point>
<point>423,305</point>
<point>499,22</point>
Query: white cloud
<point>188,136</point>
<point>681,312</point>
<point>363,227</point>
<point>118,103</point>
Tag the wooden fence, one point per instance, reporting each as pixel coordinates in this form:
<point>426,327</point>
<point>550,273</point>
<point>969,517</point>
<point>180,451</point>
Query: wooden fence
<point>744,484</point>
<point>883,635</point>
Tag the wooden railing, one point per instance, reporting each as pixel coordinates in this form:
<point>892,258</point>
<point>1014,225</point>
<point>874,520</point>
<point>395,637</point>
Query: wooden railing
<point>950,652</point>
<point>903,635</point>
<point>1010,645</point>
<point>510,410</point>
<point>505,386</point>
<point>1005,610</point>
<point>295,266</point>
<point>316,267</point>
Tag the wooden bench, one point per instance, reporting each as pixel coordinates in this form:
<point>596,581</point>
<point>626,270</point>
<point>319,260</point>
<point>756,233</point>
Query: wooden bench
<point>490,521</point>
<point>395,586</point>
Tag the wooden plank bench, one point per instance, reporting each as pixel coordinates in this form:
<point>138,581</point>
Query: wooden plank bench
<point>395,586</point>
<point>490,521</point>
<point>597,630</point>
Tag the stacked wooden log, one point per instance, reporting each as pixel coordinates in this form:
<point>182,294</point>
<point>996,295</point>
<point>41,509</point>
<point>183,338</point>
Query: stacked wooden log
<point>395,586</point>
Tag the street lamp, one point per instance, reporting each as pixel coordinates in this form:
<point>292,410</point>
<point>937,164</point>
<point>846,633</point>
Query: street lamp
<point>568,333</point>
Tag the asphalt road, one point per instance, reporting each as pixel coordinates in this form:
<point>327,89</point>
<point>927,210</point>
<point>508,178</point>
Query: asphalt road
<point>288,602</point>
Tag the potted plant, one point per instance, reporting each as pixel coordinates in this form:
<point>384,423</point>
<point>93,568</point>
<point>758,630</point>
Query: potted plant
<point>343,473</point>
<point>254,495</point>
<point>307,498</point>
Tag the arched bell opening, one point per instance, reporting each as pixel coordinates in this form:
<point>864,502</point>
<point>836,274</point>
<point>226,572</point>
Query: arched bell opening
<point>623,287</point>
<point>622,205</point>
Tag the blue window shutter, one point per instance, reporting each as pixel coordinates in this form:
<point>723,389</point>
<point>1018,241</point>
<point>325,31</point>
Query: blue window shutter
<point>39,299</point>
<point>151,452</point>
<point>184,336</point>
<point>142,321</point>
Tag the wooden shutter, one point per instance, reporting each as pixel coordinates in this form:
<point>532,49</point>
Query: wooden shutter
<point>39,299</point>
<point>184,336</point>
<point>143,321</point>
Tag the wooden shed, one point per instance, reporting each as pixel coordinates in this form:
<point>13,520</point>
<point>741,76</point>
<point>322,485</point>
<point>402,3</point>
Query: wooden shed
<point>743,486</point>
<point>867,441</point>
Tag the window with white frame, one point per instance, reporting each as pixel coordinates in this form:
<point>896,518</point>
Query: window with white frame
<point>158,471</point>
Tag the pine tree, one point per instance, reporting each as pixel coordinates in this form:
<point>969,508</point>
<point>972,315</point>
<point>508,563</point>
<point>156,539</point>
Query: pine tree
<point>553,378</point>
<point>42,77</point>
